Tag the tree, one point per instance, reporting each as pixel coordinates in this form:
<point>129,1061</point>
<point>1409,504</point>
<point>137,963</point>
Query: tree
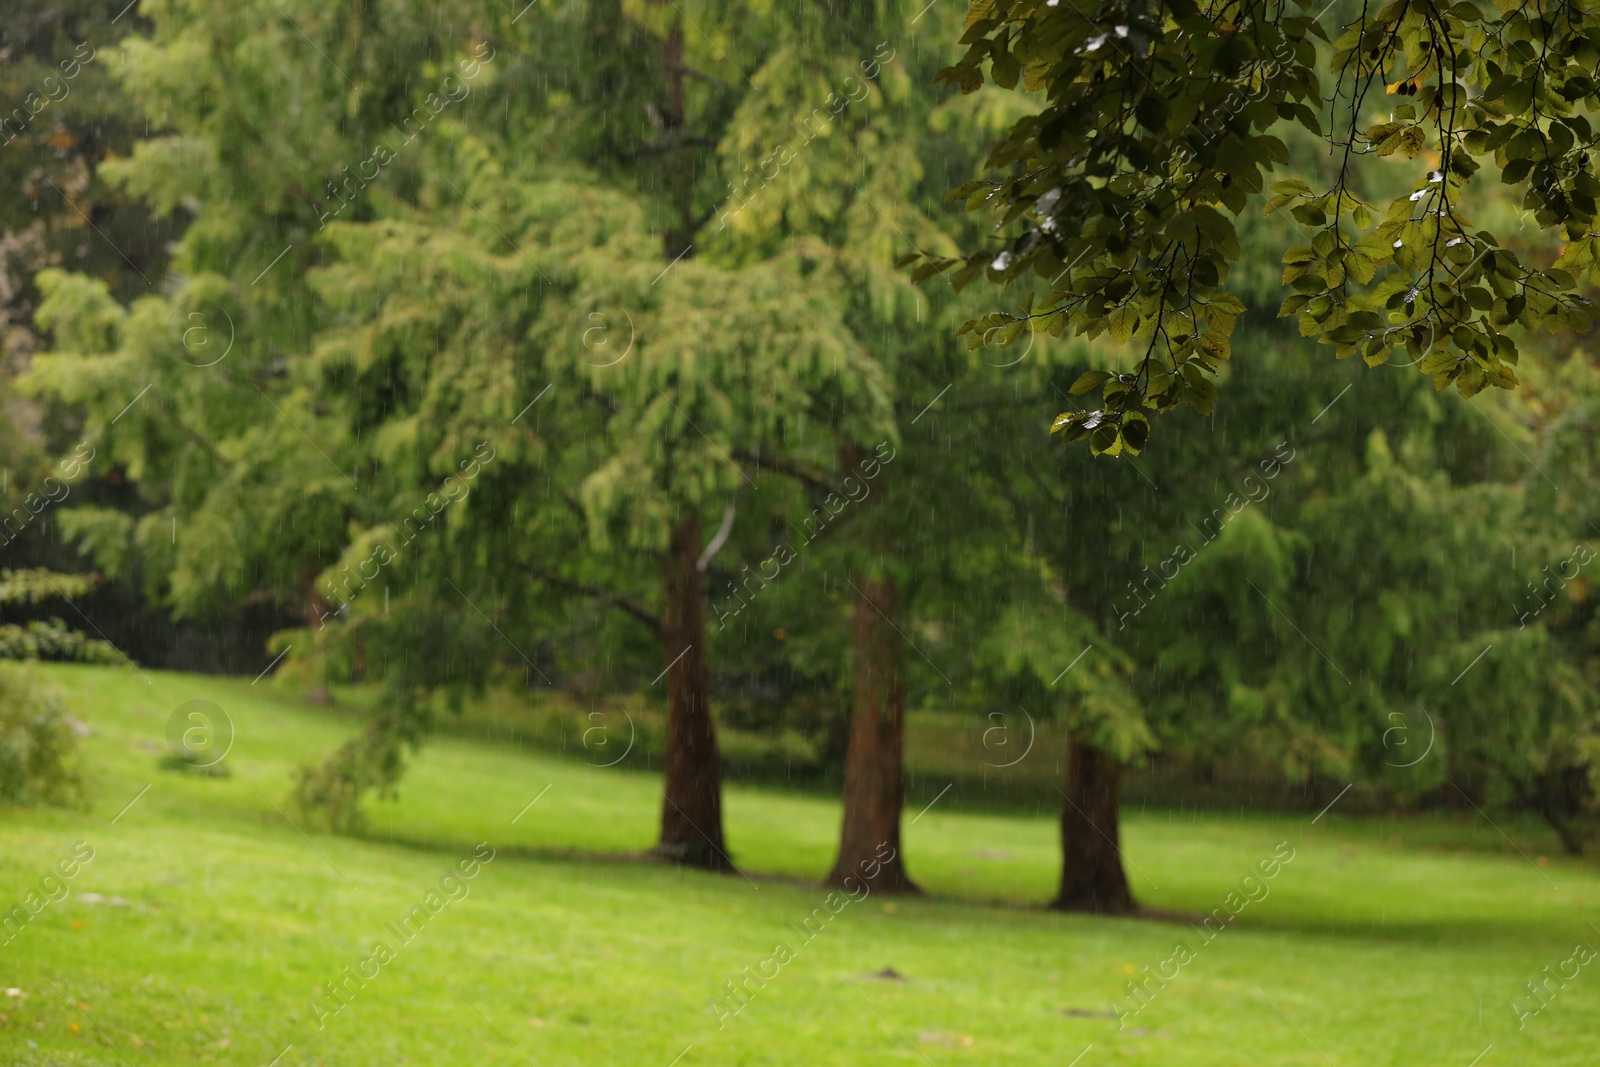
<point>1112,189</point>
<point>832,118</point>
<point>1037,644</point>
<point>1109,190</point>
<point>741,354</point>
<point>816,224</point>
<point>1526,734</point>
<point>1295,589</point>
<point>62,117</point>
<point>239,491</point>
<point>193,388</point>
<point>855,187</point>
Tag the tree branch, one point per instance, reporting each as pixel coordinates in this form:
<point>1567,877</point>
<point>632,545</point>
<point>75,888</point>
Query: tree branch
<point>815,479</point>
<point>668,144</point>
<point>605,400</point>
<point>606,596</point>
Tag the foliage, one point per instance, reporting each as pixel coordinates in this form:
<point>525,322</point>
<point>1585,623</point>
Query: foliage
<point>61,116</point>
<point>1032,649</point>
<point>1114,190</point>
<point>53,640</point>
<point>34,585</point>
<point>38,747</point>
<point>48,639</point>
<point>331,791</point>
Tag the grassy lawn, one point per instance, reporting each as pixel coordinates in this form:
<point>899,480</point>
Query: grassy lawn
<point>216,922</point>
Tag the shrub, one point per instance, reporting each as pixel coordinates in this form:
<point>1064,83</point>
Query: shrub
<point>38,748</point>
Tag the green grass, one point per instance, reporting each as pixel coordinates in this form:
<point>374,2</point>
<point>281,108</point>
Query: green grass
<point>1377,945</point>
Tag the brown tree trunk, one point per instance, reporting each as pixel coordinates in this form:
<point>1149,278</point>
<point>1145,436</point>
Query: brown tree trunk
<point>874,786</point>
<point>691,809</point>
<point>1092,878</point>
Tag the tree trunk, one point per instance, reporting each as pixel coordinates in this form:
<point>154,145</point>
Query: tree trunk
<point>1558,795</point>
<point>691,809</point>
<point>874,785</point>
<point>1570,841</point>
<point>1092,878</point>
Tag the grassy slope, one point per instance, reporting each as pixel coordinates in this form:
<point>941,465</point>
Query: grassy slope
<point>1377,944</point>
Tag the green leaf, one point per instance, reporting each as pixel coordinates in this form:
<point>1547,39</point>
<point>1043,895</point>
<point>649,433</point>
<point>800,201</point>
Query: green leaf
<point>1151,112</point>
<point>1123,322</point>
<point>1106,441</point>
<point>1087,381</point>
<point>1006,70</point>
<point>1135,432</point>
<point>1515,171</point>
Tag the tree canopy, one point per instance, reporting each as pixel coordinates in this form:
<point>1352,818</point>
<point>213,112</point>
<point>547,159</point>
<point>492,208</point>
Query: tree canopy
<point>1158,121</point>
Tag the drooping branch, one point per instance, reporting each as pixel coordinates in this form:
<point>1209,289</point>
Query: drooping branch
<point>814,478</point>
<point>605,596</point>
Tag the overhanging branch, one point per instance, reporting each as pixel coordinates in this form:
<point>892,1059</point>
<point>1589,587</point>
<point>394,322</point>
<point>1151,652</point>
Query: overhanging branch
<point>605,596</point>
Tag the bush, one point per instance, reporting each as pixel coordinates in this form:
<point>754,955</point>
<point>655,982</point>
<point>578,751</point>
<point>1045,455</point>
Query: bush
<point>38,748</point>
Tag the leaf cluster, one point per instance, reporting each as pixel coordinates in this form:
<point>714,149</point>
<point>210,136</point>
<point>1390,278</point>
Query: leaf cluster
<point>1159,121</point>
